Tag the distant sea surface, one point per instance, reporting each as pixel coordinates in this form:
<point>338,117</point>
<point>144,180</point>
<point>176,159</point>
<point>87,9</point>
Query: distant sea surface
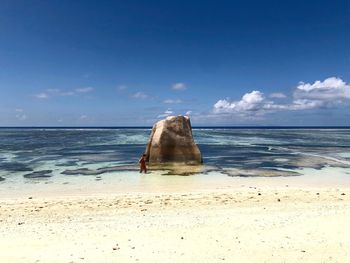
<point>34,153</point>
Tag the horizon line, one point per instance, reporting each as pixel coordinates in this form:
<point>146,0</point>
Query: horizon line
<point>193,127</point>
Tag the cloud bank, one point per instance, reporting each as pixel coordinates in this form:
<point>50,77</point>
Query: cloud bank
<point>328,93</point>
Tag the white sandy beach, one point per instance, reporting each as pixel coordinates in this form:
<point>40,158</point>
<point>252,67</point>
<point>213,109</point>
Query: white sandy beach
<point>244,223</point>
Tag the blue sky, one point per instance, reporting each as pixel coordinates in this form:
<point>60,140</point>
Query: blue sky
<point>117,63</point>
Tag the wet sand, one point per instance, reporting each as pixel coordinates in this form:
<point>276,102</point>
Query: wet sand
<point>238,224</point>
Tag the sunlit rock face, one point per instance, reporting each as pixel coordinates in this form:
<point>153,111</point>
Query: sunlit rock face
<point>171,141</point>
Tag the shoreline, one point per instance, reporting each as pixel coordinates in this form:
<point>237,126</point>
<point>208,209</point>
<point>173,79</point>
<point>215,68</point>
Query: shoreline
<point>155,182</point>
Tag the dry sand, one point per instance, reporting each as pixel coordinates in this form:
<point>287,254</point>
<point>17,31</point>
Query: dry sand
<point>247,224</point>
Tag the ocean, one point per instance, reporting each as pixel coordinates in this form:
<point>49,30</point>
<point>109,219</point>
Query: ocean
<point>34,154</point>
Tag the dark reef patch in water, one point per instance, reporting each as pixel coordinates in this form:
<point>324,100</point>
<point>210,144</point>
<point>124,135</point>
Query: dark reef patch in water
<point>39,174</point>
<point>86,171</point>
<point>2,179</point>
<point>15,167</point>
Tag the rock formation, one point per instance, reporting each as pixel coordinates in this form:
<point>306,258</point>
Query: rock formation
<point>171,141</point>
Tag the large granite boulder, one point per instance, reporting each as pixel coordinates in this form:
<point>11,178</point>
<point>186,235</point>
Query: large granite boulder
<point>171,141</point>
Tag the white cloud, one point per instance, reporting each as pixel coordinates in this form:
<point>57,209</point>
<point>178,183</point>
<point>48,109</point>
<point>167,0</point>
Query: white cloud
<point>139,95</point>
<point>20,115</point>
<point>179,86</point>
<point>86,119</point>
<point>48,93</point>
<point>278,95</point>
<point>305,104</point>
<point>84,90</point>
<point>328,90</point>
<point>166,113</point>
<point>188,113</point>
<point>332,82</point>
<point>252,101</point>
<point>328,93</point>
<point>172,101</point>
<point>42,95</point>
<point>254,104</point>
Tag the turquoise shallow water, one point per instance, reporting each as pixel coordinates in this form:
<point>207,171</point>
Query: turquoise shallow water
<point>45,155</point>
